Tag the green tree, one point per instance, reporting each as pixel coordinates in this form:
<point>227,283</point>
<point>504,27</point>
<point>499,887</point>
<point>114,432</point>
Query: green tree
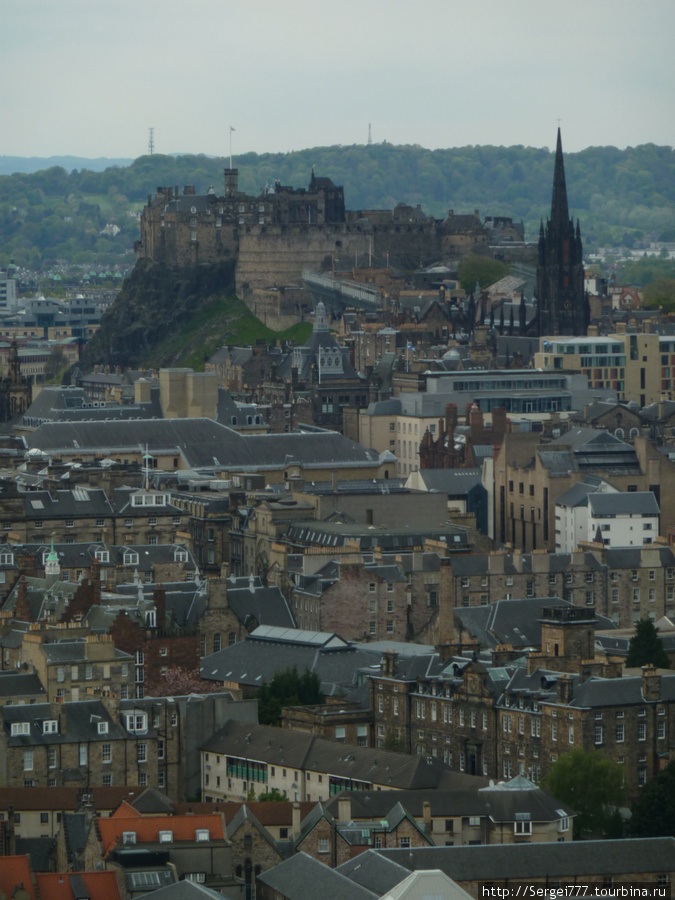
<point>591,785</point>
<point>287,688</point>
<point>274,795</point>
<point>56,366</point>
<point>653,811</point>
<point>646,647</point>
<point>393,742</point>
<point>661,292</point>
<point>482,269</point>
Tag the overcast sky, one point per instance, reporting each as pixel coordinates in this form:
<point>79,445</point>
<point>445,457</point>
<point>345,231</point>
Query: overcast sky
<point>89,77</point>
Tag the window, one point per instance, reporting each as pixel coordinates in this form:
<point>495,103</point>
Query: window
<point>598,734</point>
<point>642,731</point>
<point>106,753</point>
<point>166,837</point>
<point>160,748</point>
<point>324,845</point>
<point>28,760</point>
<point>141,752</point>
<point>84,755</point>
<point>128,837</point>
<point>202,834</point>
<point>51,757</point>
<point>339,734</point>
<point>20,728</point>
<point>619,733</point>
<point>522,828</point>
<point>50,726</point>
<point>404,843</point>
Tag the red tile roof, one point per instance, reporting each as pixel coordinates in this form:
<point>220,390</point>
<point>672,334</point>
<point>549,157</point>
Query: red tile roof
<point>125,811</point>
<point>56,885</point>
<point>15,872</point>
<point>275,813</point>
<point>147,828</point>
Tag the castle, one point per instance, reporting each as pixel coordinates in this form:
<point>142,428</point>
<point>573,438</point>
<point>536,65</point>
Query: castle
<point>273,237</point>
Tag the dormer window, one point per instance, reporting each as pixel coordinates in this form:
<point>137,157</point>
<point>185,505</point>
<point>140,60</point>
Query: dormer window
<point>20,728</point>
<point>128,837</point>
<point>136,722</point>
<point>50,726</point>
<point>180,555</point>
<point>6,559</point>
<point>102,727</point>
<point>102,556</point>
<point>148,500</point>
<point>166,837</point>
<point>202,834</point>
<point>130,558</point>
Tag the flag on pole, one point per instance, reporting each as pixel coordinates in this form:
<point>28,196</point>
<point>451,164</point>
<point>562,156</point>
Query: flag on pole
<point>410,347</point>
<point>232,129</point>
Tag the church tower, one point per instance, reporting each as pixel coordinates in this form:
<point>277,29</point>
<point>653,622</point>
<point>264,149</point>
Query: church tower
<point>562,305</point>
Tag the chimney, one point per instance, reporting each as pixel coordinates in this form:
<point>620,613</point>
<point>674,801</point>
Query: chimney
<point>344,808</point>
<point>296,820</point>
<point>251,583</point>
<point>159,599</point>
<point>651,684</point>
<point>389,663</point>
<point>426,807</point>
<point>564,688</point>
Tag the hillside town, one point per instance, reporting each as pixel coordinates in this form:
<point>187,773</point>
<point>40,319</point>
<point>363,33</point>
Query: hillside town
<point>337,613</point>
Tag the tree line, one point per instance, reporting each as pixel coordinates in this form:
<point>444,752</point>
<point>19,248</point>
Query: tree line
<point>621,196</point>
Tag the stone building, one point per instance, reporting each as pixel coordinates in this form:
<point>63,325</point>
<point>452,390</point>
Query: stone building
<point>506,719</point>
<point>529,477</point>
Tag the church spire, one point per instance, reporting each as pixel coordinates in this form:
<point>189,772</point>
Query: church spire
<point>559,208</point>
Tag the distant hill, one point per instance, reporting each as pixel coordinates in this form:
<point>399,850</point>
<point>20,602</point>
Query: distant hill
<point>620,196</point>
<point>26,165</point>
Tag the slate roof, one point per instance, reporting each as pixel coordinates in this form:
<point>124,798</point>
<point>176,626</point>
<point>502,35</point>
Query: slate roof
<point>267,605</point>
<point>514,622</point>
<point>498,862</point>
<point>633,503</point>
<point>243,816</point>
<point>292,877</point>
<point>305,751</point>
<point>20,684</point>
<point>204,444</point>
<point>40,850</point>
<point>373,871</point>
<point>262,654</point>
<point>472,796</point>
<point>453,482</point>
<point>626,691</point>
<point>78,503</point>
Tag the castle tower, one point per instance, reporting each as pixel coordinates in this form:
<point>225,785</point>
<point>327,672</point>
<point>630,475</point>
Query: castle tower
<point>562,305</point>
<point>231,182</point>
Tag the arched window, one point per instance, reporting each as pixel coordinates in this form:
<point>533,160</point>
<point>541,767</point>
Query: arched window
<point>618,432</point>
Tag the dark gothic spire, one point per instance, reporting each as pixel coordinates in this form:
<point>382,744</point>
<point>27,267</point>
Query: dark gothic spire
<point>559,210</point>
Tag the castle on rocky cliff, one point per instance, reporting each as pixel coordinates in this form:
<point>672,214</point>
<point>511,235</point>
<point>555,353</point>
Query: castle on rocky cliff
<point>274,236</point>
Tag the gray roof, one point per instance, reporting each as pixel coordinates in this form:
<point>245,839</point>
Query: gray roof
<point>204,444</point>
<point>373,871</point>
<point>264,653</point>
<point>515,622</point>
<point>634,503</point>
<point>251,601</point>
<point>305,751</point>
<point>497,862</point>
<point>292,878</point>
<point>20,684</point>
<point>453,482</point>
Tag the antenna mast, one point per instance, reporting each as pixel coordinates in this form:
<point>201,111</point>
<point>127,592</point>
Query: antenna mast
<point>370,134</point>
<point>151,141</point>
